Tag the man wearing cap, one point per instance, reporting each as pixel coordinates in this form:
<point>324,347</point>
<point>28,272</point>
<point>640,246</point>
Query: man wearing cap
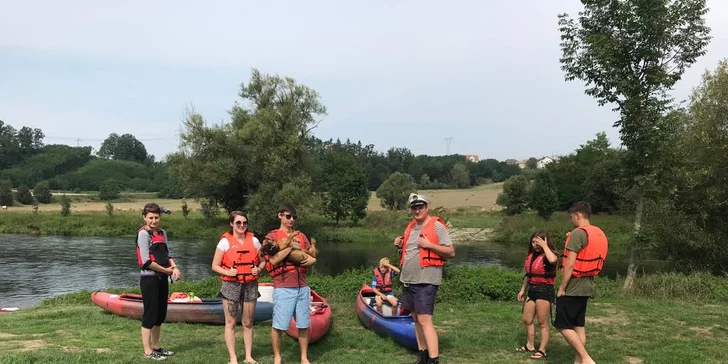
<point>424,247</point>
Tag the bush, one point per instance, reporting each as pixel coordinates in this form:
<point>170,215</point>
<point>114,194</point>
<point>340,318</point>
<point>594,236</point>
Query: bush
<point>543,195</point>
<point>65,205</point>
<point>6,193</point>
<point>109,208</point>
<point>23,195</point>
<point>514,197</point>
<point>109,190</point>
<point>185,209</point>
<point>394,191</point>
<point>42,192</point>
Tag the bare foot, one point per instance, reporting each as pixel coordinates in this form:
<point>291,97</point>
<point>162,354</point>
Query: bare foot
<point>305,361</point>
<point>277,360</point>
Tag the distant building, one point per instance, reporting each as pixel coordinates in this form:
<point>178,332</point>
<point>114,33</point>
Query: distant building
<point>511,161</point>
<point>522,164</point>
<point>543,162</point>
<point>472,157</point>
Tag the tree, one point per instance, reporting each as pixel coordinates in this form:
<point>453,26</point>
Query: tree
<point>42,192</point>
<point>109,190</point>
<point>395,190</point>
<point>345,186</point>
<point>630,54</point>
<point>125,147</point>
<point>543,195</point>
<point>532,163</point>
<point>30,140</point>
<point>514,197</point>
<point>23,195</point>
<point>460,177</point>
<point>65,205</point>
<point>6,193</point>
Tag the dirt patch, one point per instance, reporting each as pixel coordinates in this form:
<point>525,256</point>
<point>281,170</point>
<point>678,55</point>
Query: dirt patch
<point>703,331</point>
<point>480,196</point>
<point>32,345</point>
<point>634,360</point>
<point>103,350</point>
<point>469,235</point>
<point>614,316</point>
<point>5,335</point>
<point>72,349</point>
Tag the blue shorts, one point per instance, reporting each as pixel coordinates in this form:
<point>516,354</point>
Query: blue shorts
<point>286,302</point>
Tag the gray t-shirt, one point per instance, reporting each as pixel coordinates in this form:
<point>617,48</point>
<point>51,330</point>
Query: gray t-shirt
<point>144,242</point>
<point>412,272</point>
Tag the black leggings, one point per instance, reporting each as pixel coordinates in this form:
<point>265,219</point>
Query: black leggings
<point>154,295</point>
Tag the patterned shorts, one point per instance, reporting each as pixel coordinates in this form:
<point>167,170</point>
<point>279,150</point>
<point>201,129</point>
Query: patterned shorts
<point>235,291</point>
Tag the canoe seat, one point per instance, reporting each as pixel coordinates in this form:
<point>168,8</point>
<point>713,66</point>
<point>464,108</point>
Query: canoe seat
<point>387,309</point>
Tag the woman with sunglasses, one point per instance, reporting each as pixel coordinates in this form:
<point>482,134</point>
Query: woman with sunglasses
<point>238,263</point>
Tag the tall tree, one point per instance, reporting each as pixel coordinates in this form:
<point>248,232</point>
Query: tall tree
<point>125,147</point>
<point>630,53</point>
<point>345,186</point>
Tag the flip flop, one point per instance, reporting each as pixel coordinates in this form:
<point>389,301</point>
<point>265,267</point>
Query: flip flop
<point>525,348</point>
<point>540,353</point>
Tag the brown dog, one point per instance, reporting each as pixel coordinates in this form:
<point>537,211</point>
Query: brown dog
<point>297,255</point>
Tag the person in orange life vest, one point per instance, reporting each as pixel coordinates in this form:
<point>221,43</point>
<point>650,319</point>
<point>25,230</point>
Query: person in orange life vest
<point>425,247</point>
<point>584,252</point>
<point>238,263</point>
<point>290,289</point>
<point>156,265</point>
<point>538,291</point>
<point>382,284</point>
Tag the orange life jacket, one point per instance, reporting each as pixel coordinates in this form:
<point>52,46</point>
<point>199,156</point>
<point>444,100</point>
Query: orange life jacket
<point>285,266</point>
<point>384,281</point>
<point>427,256</point>
<point>158,250</point>
<point>590,259</point>
<point>536,270</point>
<point>241,256</point>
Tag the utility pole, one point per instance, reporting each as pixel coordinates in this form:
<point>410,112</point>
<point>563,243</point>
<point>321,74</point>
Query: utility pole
<point>448,141</point>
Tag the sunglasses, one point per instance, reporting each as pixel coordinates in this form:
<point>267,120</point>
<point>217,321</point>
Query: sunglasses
<point>289,216</point>
<point>241,223</point>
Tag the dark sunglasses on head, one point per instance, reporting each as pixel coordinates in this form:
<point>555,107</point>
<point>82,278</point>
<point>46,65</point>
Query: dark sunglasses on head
<point>289,216</point>
<point>241,223</point>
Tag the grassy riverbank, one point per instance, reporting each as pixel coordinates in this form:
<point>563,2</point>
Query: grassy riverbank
<point>378,226</point>
<point>474,328</point>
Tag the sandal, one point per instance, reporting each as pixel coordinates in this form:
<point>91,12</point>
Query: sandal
<point>525,348</point>
<point>538,355</point>
<point>250,362</point>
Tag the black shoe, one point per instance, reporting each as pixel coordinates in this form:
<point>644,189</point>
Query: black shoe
<point>423,356</point>
<point>433,360</point>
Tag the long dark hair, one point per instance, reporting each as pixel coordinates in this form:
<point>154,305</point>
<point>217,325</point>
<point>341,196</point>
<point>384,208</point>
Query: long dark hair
<point>543,235</point>
<point>233,215</point>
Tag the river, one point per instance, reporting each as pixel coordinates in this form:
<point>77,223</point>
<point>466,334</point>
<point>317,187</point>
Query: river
<point>36,267</point>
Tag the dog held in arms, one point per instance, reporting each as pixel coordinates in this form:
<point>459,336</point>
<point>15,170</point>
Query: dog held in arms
<point>297,255</point>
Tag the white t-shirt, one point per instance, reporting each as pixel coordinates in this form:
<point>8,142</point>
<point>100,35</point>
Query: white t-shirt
<point>224,244</point>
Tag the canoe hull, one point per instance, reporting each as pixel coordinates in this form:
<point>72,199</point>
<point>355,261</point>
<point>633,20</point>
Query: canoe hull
<point>209,311</point>
<point>400,328</point>
<point>320,320</point>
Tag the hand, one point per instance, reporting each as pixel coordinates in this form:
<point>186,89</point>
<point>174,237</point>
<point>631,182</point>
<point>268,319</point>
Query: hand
<point>398,242</point>
<point>256,271</point>
<point>175,274</point>
<point>542,243</point>
<point>308,261</point>
<point>232,272</point>
<point>561,292</point>
<point>423,242</point>
<point>168,271</point>
<point>520,296</point>
<point>295,245</point>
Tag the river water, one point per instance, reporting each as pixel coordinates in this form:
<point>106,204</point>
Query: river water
<point>36,267</point>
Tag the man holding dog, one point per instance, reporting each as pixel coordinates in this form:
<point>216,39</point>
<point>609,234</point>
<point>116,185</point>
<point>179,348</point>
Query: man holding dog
<point>426,245</point>
<point>290,289</point>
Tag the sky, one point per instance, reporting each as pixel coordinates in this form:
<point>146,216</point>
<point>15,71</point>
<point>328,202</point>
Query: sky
<point>391,73</point>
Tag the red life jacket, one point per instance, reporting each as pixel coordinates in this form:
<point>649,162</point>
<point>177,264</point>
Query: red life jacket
<point>285,266</point>
<point>241,256</point>
<point>590,259</point>
<point>536,270</point>
<point>384,281</point>
<point>427,256</point>
<point>158,250</point>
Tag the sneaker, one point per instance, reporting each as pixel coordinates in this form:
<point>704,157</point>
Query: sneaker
<point>163,352</point>
<point>155,356</point>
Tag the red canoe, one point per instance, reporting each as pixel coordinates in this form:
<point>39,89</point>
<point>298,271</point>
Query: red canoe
<point>320,319</point>
<point>208,311</point>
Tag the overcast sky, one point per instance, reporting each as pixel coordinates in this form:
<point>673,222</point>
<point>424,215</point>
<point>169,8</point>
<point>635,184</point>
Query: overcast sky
<point>391,73</point>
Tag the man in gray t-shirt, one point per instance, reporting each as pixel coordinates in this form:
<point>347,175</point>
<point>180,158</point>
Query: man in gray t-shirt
<point>426,246</point>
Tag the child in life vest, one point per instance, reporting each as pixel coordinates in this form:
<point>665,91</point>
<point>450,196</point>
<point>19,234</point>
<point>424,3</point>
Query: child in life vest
<point>538,291</point>
<point>382,284</point>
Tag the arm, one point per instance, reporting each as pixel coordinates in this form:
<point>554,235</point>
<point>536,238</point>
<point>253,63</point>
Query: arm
<point>280,256</point>
<point>395,269</point>
<point>445,248</point>
<point>523,289</point>
<point>217,263</point>
<point>550,256</point>
<point>566,275</point>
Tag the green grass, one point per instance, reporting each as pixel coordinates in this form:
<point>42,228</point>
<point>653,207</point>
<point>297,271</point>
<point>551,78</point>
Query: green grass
<point>684,328</point>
